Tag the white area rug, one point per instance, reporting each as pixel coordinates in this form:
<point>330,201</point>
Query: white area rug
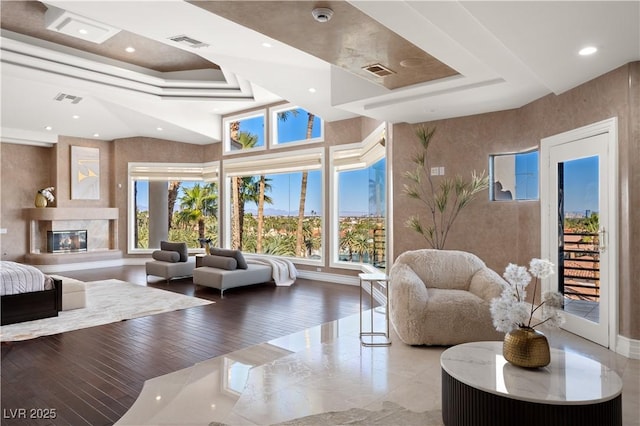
<point>107,301</point>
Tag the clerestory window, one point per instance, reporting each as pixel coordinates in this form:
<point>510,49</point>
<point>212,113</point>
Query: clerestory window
<point>292,125</point>
<point>244,132</point>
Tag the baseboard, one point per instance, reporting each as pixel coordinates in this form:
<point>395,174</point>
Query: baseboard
<point>628,347</point>
<point>310,275</point>
<point>80,266</point>
<point>330,278</point>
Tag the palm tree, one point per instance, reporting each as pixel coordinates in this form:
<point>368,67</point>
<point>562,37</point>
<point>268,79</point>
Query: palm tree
<point>246,187</point>
<point>263,186</point>
<point>362,245</point>
<point>197,203</point>
<point>303,194</point>
<point>280,245</point>
<point>174,187</point>
<point>284,115</point>
<point>247,140</point>
<point>348,242</point>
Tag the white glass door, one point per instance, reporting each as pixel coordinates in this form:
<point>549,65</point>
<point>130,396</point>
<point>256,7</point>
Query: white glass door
<point>576,199</point>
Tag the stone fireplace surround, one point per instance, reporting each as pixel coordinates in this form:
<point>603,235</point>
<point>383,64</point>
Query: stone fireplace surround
<point>101,224</point>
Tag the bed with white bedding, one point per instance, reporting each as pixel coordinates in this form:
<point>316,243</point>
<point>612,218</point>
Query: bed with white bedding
<point>27,294</point>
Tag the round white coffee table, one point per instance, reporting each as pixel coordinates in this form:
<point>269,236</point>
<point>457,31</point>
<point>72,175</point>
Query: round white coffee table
<point>479,387</point>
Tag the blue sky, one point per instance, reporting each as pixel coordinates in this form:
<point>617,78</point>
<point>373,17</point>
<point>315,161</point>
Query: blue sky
<point>581,185</point>
<point>527,176</point>
<point>353,193</point>
<point>580,181</point>
<point>581,188</point>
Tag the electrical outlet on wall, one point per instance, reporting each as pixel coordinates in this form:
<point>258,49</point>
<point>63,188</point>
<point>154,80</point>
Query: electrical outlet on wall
<point>441,171</point>
<point>434,171</point>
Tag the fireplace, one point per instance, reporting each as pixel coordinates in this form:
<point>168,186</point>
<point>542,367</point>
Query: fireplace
<point>67,241</point>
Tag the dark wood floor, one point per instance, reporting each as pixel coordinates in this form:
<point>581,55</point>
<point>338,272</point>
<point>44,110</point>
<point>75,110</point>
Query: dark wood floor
<point>92,376</point>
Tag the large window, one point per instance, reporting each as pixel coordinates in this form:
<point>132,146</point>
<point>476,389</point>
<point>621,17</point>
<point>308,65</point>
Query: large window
<point>360,188</point>
<point>514,176</point>
<point>275,204</point>
<point>361,215</point>
<point>172,202</point>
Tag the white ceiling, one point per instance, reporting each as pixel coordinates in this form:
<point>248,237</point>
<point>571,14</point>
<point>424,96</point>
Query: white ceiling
<point>508,53</point>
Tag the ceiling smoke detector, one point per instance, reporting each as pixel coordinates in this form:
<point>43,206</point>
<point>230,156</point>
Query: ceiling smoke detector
<point>322,14</point>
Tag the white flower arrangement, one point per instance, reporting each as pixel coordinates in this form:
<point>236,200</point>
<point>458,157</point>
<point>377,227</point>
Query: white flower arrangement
<point>48,193</point>
<point>510,310</point>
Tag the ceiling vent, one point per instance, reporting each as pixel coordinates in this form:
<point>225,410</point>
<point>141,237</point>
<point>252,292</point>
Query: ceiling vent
<point>60,97</point>
<point>77,26</point>
<point>188,41</point>
<point>378,70</point>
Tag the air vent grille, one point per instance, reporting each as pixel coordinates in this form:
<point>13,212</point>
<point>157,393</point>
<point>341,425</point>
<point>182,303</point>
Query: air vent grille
<point>61,97</point>
<point>378,70</point>
<point>189,41</point>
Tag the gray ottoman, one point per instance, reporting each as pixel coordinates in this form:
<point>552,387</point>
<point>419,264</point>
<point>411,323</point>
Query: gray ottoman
<point>223,279</point>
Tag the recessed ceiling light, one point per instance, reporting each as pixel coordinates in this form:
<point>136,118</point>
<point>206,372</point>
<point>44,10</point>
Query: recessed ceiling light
<point>65,22</point>
<point>312,90</point>
<point>75,117</point>
<point>130,49</point>
<point>96,135</point>
<point>589,50</point>
<point>159,129</point>
<point>48,128</point>
<point>265,44</point>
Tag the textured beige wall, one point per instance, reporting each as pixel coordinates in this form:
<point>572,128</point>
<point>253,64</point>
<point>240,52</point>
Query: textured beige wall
<point>509,231</point>
<point>23,171</point>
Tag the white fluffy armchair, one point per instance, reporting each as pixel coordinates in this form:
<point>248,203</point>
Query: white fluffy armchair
<point>442,297</point>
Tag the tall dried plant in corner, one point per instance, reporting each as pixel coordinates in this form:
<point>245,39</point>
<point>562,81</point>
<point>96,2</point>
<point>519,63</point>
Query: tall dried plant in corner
<point>443,197</point>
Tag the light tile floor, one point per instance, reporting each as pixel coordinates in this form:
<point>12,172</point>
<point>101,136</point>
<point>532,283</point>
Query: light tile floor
<point>321,369</point>
<point>583,308</point>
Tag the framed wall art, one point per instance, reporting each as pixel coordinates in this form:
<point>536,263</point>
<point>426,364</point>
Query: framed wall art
<point>85,173</point>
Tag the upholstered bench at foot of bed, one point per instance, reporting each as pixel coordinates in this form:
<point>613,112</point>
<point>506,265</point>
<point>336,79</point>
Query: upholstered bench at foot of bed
<point>73,293</point>
<point>223,279</point>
